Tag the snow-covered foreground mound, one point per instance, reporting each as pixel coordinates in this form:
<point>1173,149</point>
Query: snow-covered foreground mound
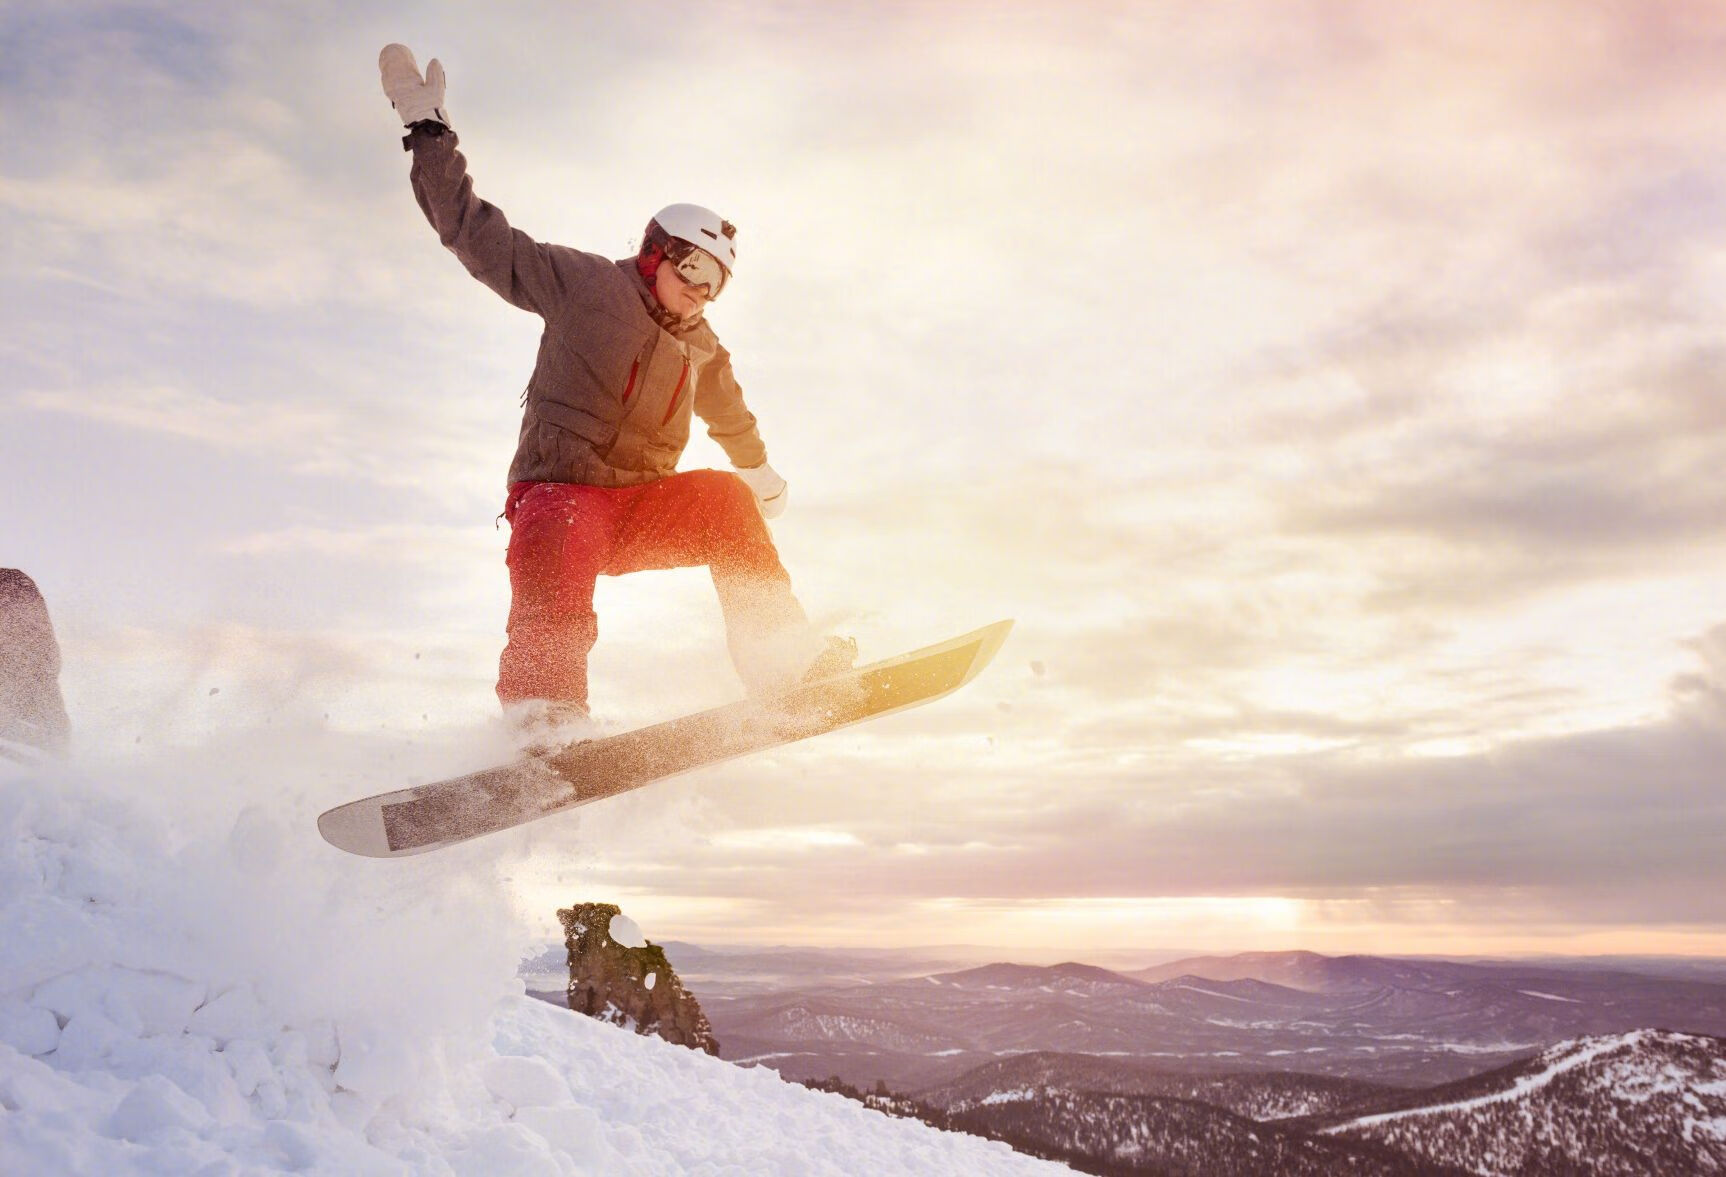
<point>192,983</point>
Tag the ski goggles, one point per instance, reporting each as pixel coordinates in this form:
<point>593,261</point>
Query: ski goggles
<point>696,266</point>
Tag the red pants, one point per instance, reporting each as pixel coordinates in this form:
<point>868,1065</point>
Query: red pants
<point>564,536</point>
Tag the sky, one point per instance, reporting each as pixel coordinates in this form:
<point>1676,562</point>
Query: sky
<point>1331,391</point>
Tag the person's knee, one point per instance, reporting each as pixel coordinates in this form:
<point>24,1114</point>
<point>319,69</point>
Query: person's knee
<point>720,498</point>
<point>739,499</point>
<point>722,484</point>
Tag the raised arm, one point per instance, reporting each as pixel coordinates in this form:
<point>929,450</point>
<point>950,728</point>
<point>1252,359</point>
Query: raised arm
<point>520,269</point>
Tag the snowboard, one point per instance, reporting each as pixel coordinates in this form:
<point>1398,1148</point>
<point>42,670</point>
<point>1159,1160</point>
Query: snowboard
<point>430,817</point>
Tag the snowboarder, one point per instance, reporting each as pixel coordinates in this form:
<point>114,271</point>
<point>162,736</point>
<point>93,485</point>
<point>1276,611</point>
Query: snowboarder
<point>626,358</point>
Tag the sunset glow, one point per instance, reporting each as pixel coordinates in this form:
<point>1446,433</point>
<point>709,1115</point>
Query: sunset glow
<point>1332,392</point>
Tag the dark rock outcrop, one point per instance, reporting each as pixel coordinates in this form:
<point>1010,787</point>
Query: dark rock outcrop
<point>32,711</point>
<point>633,987</point>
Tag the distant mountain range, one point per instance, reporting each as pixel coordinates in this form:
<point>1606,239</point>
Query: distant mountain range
<point>1256,1095</point>
<point>1378,1019</point>
<point>1277,1063</point>
<point>1646,1103</point>
<point>1649,1102</point>
<point>1316,973</point>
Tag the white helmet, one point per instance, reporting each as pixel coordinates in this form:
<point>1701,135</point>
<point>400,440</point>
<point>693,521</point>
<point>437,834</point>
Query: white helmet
<point>698,226</point>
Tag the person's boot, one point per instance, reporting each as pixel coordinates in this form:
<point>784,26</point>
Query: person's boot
<point>837,656</point>
<point>544,727</point>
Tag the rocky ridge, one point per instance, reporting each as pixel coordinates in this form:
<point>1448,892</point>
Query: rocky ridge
<point>32,711</point>
<point>634,987</point>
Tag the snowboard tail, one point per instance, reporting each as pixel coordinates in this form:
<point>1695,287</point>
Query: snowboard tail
<point>427,817</point>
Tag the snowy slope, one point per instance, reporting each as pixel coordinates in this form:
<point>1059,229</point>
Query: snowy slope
<point>1652,1101</point>
<point>191,982</point>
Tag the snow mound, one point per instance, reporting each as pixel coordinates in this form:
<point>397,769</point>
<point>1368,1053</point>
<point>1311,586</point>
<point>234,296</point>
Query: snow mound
<point>627,932</point>
<point>191,984</point>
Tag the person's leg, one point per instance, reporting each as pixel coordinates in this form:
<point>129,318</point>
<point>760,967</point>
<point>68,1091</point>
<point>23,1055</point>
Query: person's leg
<point>559,540</point>
<point>709,517</point>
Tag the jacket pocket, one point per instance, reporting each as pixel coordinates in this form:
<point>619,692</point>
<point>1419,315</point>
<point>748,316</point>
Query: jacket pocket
<point>634,375</point>
<point>570,419</point>
<point>676,396</point>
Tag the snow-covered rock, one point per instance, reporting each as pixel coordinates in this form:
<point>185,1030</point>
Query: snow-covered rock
<point>614,976</point>
<point>187,986</point>
<point>627,932</point>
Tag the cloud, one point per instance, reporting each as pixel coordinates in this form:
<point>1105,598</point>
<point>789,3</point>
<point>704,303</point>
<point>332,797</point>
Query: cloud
<point>392,544</point>
<point>1330,390</point>
<point>1599,830</point>
<point>188,414</point>
<point>309,435</point>
<point>186,152</point>
<point>1599,474</point>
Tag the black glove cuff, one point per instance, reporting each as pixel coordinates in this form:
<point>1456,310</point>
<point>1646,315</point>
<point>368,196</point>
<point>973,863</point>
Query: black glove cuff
<point>430,128</point>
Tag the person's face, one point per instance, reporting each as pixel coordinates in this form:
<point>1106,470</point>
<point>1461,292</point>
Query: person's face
<point>676,295</point>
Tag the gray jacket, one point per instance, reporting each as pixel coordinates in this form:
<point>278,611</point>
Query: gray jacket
<point>612,392</point>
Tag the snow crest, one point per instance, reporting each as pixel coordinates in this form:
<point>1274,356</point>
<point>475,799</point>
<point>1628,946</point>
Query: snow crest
<point>192,982</point>
<point>1566,1056</point>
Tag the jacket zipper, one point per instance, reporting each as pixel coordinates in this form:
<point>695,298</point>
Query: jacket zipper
<point>629,389</point>
<point>676,394</point>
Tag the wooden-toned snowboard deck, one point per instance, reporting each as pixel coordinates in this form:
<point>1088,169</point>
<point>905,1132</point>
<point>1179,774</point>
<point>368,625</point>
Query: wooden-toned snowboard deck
<point>427,817</point>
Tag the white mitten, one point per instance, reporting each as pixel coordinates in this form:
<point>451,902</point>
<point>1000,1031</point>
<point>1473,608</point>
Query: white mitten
<point>771,492</point>
<point>415,98</point>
